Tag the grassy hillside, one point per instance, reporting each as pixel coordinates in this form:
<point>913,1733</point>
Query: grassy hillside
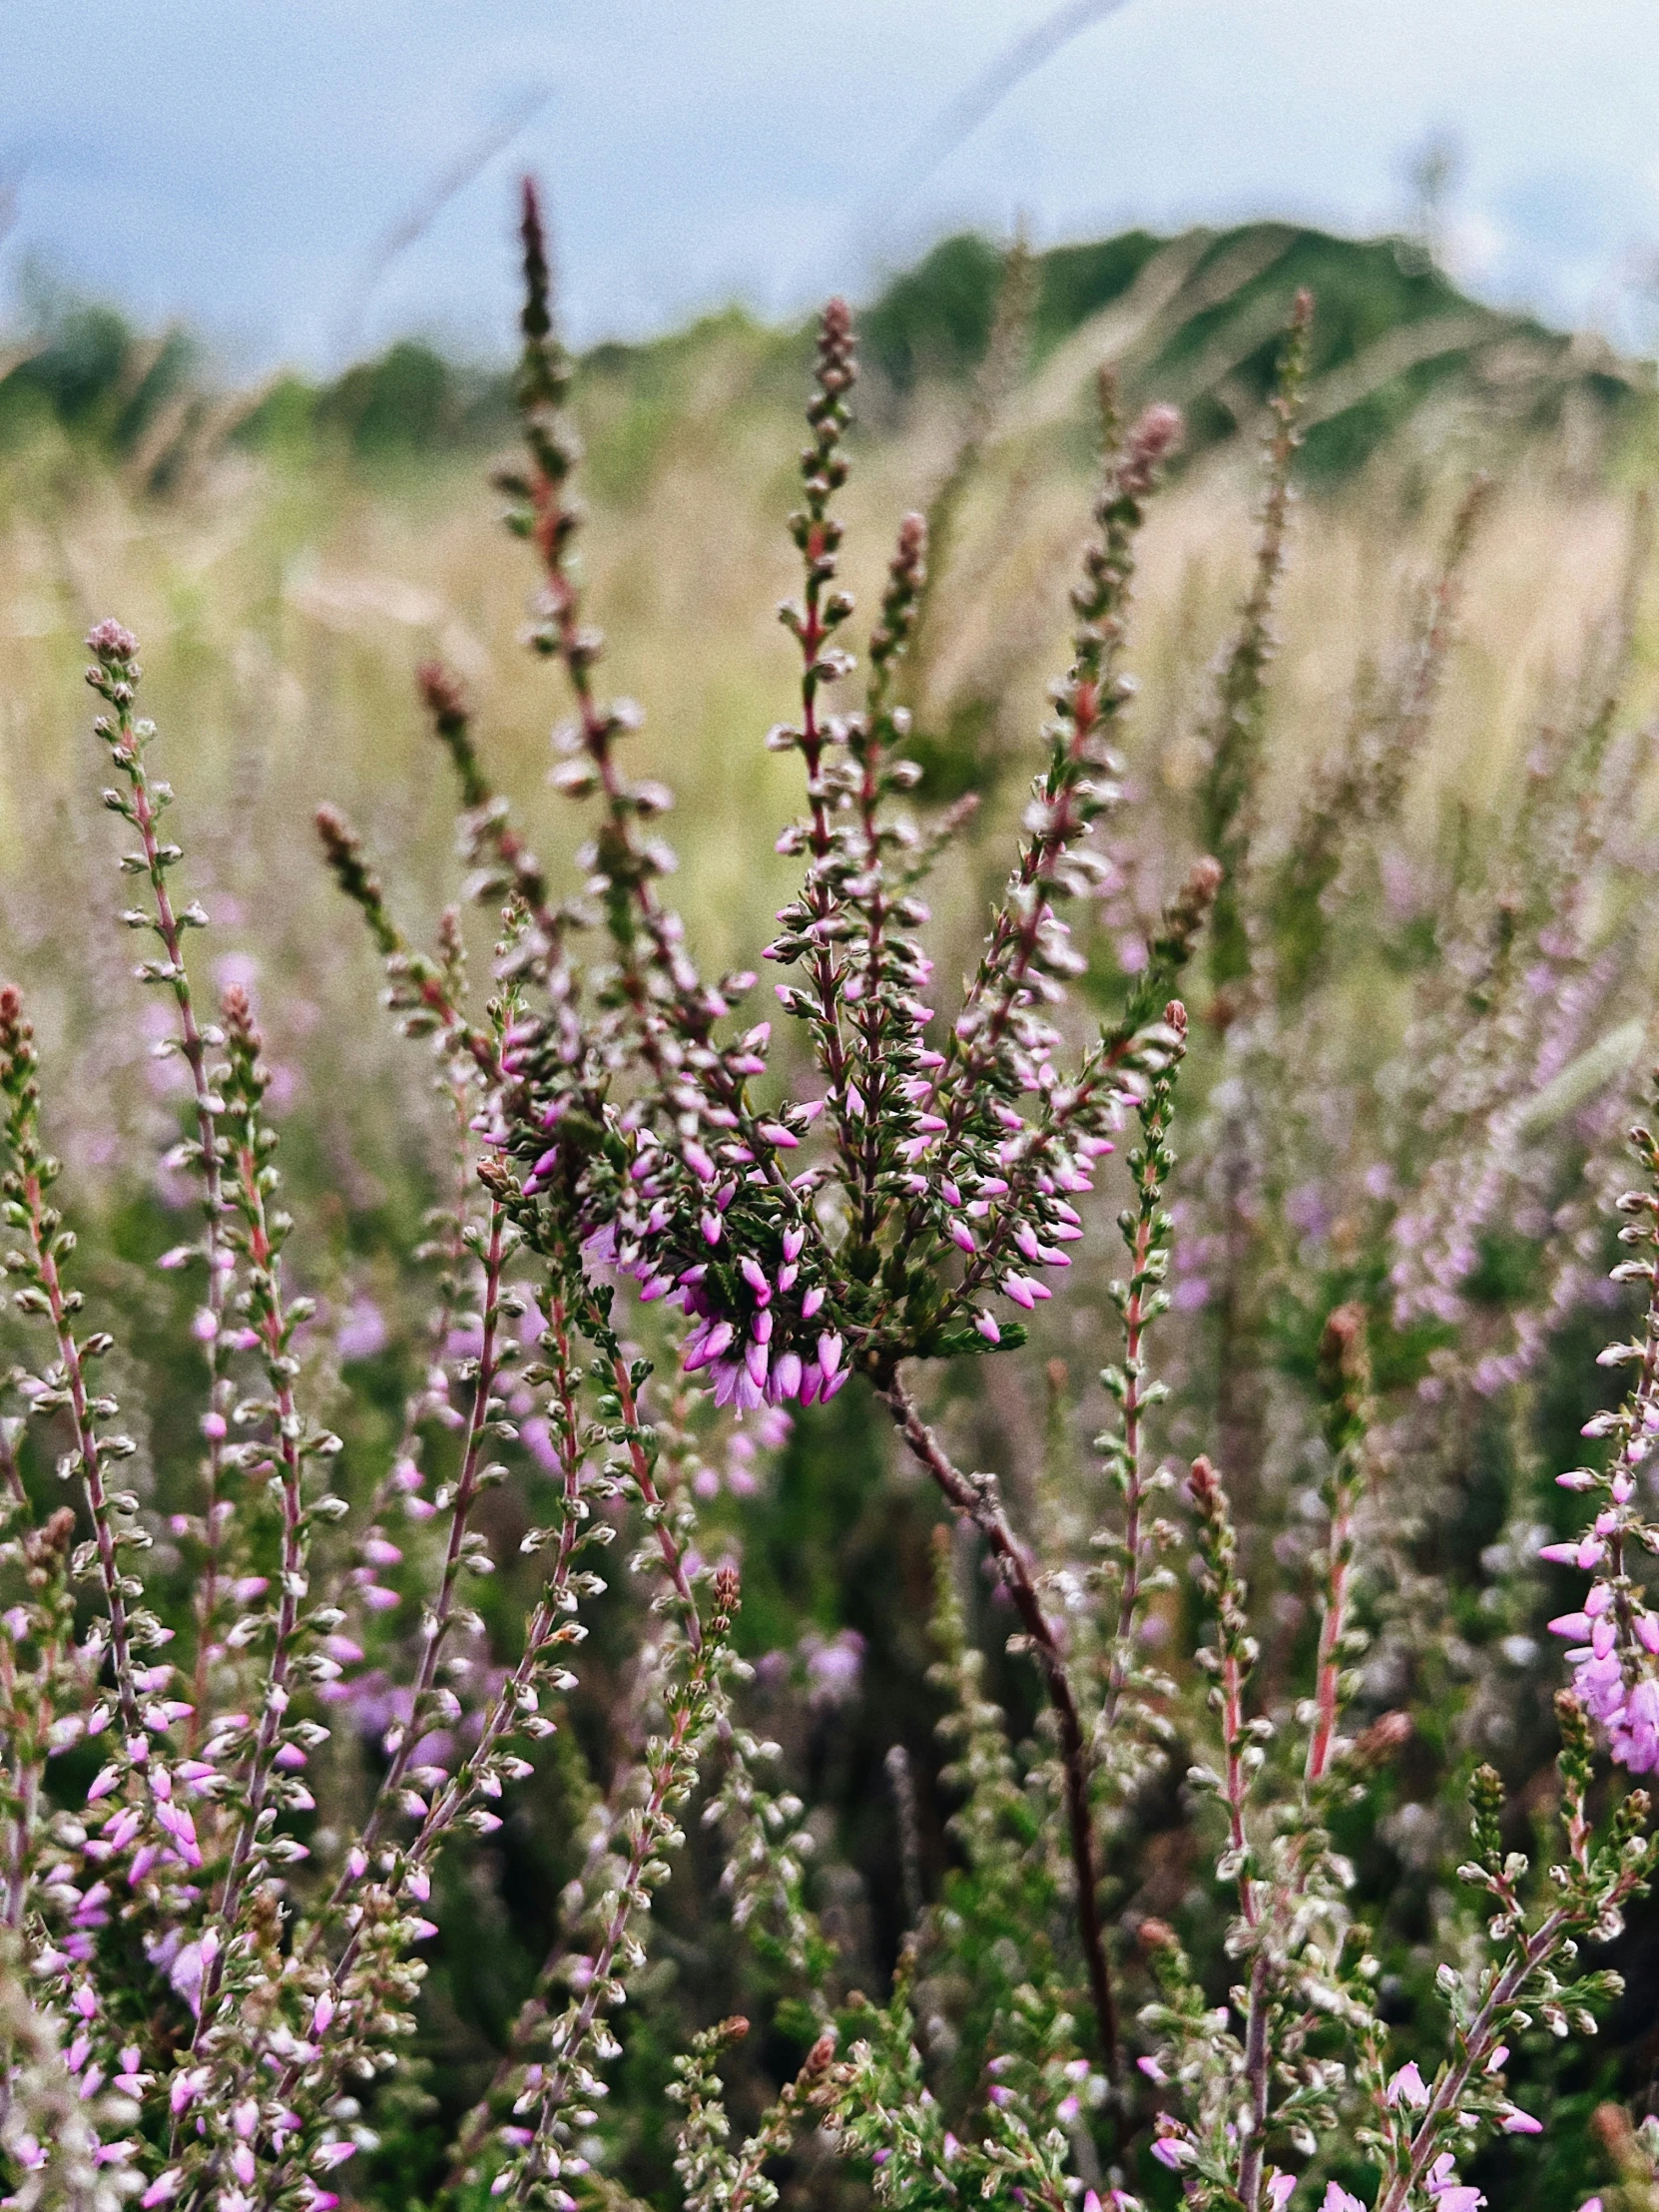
<point>1197,319</point>
<point>1193,318</point>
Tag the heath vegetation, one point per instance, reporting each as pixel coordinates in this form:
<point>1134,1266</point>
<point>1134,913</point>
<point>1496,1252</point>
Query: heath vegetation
<point>965,1518</point>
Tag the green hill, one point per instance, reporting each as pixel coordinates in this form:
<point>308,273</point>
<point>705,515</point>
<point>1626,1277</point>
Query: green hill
<point>1193,319</point>
<point>1197,319</point>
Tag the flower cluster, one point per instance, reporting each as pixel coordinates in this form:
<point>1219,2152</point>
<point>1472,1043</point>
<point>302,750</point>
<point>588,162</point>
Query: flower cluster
<point>1614,1635</point>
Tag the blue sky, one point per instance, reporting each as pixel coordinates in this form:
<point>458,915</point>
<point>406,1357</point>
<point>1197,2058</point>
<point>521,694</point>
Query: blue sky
<point>236,162</point>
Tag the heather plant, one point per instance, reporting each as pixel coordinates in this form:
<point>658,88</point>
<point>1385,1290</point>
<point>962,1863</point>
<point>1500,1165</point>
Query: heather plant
<point>273,1698</point>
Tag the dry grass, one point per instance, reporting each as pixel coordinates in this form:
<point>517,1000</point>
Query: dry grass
<point>282,610</point>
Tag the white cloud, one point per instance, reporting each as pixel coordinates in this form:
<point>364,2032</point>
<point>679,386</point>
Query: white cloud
<point>234,159</point>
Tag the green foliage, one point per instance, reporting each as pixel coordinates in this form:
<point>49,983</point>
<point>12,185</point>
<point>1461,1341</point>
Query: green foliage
<point>936,320</point>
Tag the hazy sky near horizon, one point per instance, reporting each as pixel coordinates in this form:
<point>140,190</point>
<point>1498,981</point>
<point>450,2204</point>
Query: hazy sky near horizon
<point>237,163</point>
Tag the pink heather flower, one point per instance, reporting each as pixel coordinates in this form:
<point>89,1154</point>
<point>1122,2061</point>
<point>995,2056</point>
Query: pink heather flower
<point>235,970</point>
<point>1575,1626</point>
<point>1516,2122</point>
<point>834,1665</point>
<point>1172,2150</point>
<point>205,1327</point>
<point>1633,1730</point>
<point>1281,2189</point>
<point>361,1331</point>
<point>1407,2087</point>
<point>987,1326</point>
<point>772,1431</point>
<point>1451,2194</point>
<point>110,642</point>
<point>1340,2200</point>
<point>707,1346</point>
